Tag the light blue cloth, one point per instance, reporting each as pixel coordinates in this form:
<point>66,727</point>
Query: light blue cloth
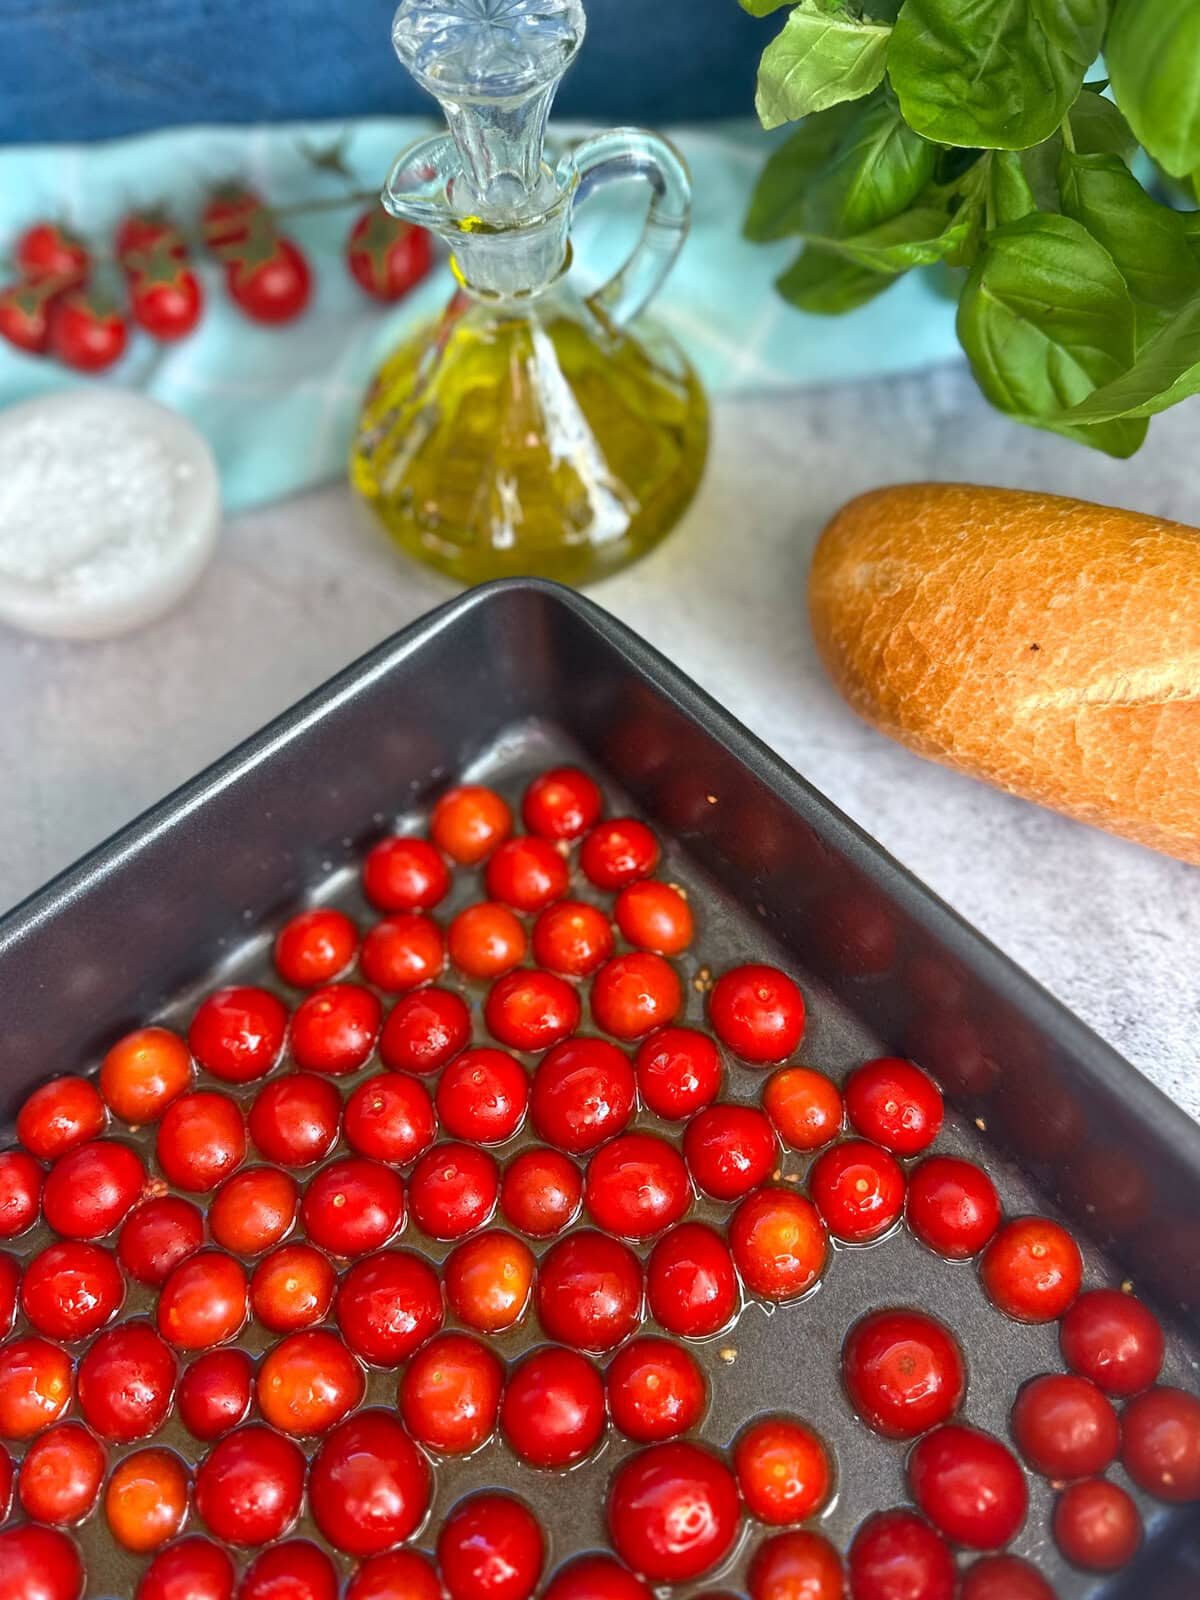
<point>279,405</point>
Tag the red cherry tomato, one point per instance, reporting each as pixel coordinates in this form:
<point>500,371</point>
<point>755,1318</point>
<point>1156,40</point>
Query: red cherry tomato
<point>952,1206</point>
<point>215,1393</point>
<point>294,1570</point>
<point>595,1578</point>
<point>453,1190</point>
<point>552,1413</point>
<point>405,874</point>
<point>526,874</point>
<point>1032,1269</point>
<point>782,1470</point>
<point>896,1555</point>
<point>1114,1340</point>
<point>193,1569</point>
<point>488,1280</point>
<point>157,1235</point>
<point>390,1118</point>
<point>655,916</point>
<point>1161,1443</point>
<point>859,1190</point>
<point>450,1392</point>
<point>39,1564</point>
<point>636,1186</point>
<point>308,1382</point>
<point>779,1243</point>
<point>315,947</point>
<point>903,1372</point>
<point>541,1192</point>
<point>589,1291</point>
<point>583,1093</point>
<point>1064,1427</point>
<point>227,216</point>
<point>1097,1526</point>
<point>60,1477</point>
<point>142,233</point>
<point>619,852</point>
<point>87,332</point>
<point>486,940</point>
<point>20,1192</point>
<point>572,938</point>
<point>482,1096</point>
<point>253,1210</point>
<point>691,1282</point>
<point>678,1072</point>
<point>758,1013</point>
<point>60,1115</point>
<point>491,1548</point>
<point>205,1301</point>
<point>395,1573</point>
<point>388,1305</point>
<point>387,257</point>
<point>634,994</point>
<point>1004,1578</point>
<point>469,822</point>
<point>92,1188</point>
<point>71,1289</point>
<point>403,952</point>
<point>274,289</point>
<point>424,1030</point>
<point>352,1206</point>
<point>294,1119</point>
<point>894,1103</point>
<point>143,1073</point>
<point>969,1485</point>
<point>531,1010</point>
<point>201,1140</point>
<point>292,1288</point>
<point>25,316</point>
<point>673,1511</point>
<point>126,1382</point>
<point>796,1566</point>
<point>166,298</point>
<point>561,804</point>
<point>804,1106</point>
<point>729,1150</point>
<point>35,1386</point>
<point>237,1034</point>
<point>249,1486</point>
<point>48,250</point>
<point>655,1390</point>
<point>369,1485</point>
<point>334,1029</point>
<point>146,1499</point>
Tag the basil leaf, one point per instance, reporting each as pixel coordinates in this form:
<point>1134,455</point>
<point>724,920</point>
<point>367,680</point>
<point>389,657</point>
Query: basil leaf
<point>997,74</point>
<point>1045,319</point>
<point>822,57</point>
<point>762,8</point>
<point>1153,57</point>
<point>1040,166</point>
<point>916,238</point>
<point>877,170</point>
<point>1166,371</point>
<point>827,285</point>
<point>777,205</point>
<point>1098,127</point>
<point>1012,196</point>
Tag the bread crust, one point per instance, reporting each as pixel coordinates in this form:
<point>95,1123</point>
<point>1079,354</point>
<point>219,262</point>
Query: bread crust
<point>1048,646</point>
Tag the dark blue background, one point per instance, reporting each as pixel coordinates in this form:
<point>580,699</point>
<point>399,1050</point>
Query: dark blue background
<point>83,69</point>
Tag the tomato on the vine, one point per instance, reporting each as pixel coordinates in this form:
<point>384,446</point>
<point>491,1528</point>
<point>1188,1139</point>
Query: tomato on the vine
<point>386,256</point>
<point>48,251</point>
<point>227,217</point>
<point>165,297</point>
<point>87,332</point>
<point>271,283</point>
<point>143,233</point>
<point>25,316</point>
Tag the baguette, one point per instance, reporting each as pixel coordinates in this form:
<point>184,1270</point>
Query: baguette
<point>1048,646</point>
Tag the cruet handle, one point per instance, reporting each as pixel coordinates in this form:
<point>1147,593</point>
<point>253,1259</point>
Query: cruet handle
<point>633,153</point>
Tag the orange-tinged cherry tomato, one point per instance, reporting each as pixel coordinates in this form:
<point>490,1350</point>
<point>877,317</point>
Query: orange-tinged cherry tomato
<point>655,916</point>
<point>308,1382</point>
<point>486,940</point>
<point>143,1073</point>
<point>146,1499</point>
<point>469,822</point>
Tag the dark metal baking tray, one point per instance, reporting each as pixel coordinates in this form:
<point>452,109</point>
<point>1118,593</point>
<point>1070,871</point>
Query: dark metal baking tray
<point>507,679</point>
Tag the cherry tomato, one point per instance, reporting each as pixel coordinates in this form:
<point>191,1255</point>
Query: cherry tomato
<point>1097,1526</point>
<point>35,1386</point>
<point>39,1564</point>
<point>142,233</point>
<point>396,1573</point>
<point>779,1243</point>
<point>215,1393</point>
<point>636,1186</point>
<point>388,1305</point>
<point>157,1235</point>
<point>782,1469</point>
<point>403,952</point>
<point>552,1413</point>
<point>805,1107</point>
<point>405,874</point>
<point>896,1555</point>
<point>903,1371</point>
<point>315,947</point>
<point>482,1096</point>
<point>294,1570</point>
<point>491,1548</point>
<point>969,1485</point>
<point>193,1569</point>
<point>253,1210</point>
<point>25,316</point>
<point>618,853</point>
<point>595,1578</point>
<point>572,938</point>
<point>673,1511</point>
<point>531,1010</point>
<point>146,1499</point>
<point>486,940</point>
<point>469,822</point>
<point>294,1119</point>
<point>60,1477</point>
<point>424,1030</point>
<point>561,804</point>
<point>390,1118</point>
<point>126,1382</point>
<point>589,1291</point>
<point>71,1289</point>
<point>201,1140</point>
<point>488,1280</point>
<point>20,1192</point>
<point>1161,1443</point>
<point>453,1190</point>
<point>249,1486</point>
<point>691,1282</point>
<point>227,216</point>
<point>166,298</point>
<point>87,332</point>
<point>894,1103</point>
<point>205,1301</point>
<point>292,1288</point>
<point>635,994</point>
<point>143,1073</point>
<point>583,1093</point>
<point>729,1150</point>
<point>335,1028</point>
<point>655,916</point>
<point>1004,1578</point>
<point>387,257</point>
<point>859,1190</point>
<point>678,1072</point>
<point>48,250</point>
<point>308,1382</point>
<point>952,1206</point>
<point>655,1390</point>
<point>237,1034</point>
<point>369,1485</point>
<point>352,1206</point>
<point>60,1115</point>
<point>273,289</point>
<point>758,1013</point>
<point>449,1394</point>
<point>796,1566</point>
<point>1064,1427</point>
<point>541,1192</point>
<point>526,874</point>
<point>1032,1269</point>
<point>1114,1340</point>
<point>90,1190</point>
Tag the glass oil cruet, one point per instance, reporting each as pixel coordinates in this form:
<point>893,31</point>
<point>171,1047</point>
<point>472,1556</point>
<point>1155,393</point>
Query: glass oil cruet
<point>530,430</point>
